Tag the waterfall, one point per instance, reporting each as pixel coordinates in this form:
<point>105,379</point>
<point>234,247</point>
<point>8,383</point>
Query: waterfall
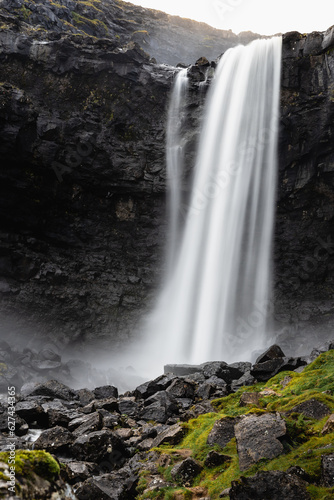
<point>216,300</point>
<point>175,160</point>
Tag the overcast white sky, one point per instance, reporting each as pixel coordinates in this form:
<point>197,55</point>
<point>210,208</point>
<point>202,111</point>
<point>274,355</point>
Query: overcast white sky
<point>266,17</point>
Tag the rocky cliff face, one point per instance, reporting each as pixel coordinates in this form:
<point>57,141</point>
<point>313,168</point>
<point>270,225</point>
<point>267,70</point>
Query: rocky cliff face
<point>304,231</point>
<point>82,121</point>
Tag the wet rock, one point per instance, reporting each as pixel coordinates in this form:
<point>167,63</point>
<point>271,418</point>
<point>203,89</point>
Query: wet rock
<point>114,486</point>
<point>249,398</point>
<point>186,471</point>
<point>110,420</point>
<point>257,437</point>
<point>54,440</point>
<point>57,413</point>
<point>79,471</point>
<point>266,370</point>
<point>273,352</point>
<point>222,432</point>
<point>159,407</point>
<point>85,396</point>
<point>245,380</point>
<point>110,404</point>
<point>213,459</point>
<point>105,392</point>
<point>312,409</point>
<point>88,423</point>
<point>52,388</point>
<point>96,446</point>
<point>275,485</point>
<point>173,435</point>
<point>128,406</point>
<point>31,412</point>
<point>181,388</point>
<point>327,470</point>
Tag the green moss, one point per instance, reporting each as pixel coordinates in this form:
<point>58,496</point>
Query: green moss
<point>3,366</point>
<point>319,493</point>
<point>37,461</point>
<point>303,447</point>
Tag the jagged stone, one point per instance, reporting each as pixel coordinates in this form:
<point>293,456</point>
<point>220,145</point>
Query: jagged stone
<point>213,459</point>
<point>113,486</point>
<point>97,446</point>
<point>79,471</point>
<point>327,469</point>
<point>86,424</point>
<point>31,412</point>
<point>273,352</point>
<point>128,406</point>
<point>186,471</point>
<point>106,392</point>
<point>257,437</point>
<point>312,409</point>
<point>246,379</point>
<point>57,413</point>
<point>275,485</point>
<point>181,388</point>
<point>85,396</point>
<point>172,435</point>
<point>159,407</point>
<point>54,440</point>
<point>222,431</point>
<point>51,388</point>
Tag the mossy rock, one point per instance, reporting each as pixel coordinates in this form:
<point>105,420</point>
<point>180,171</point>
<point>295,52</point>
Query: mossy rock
<point>34,470</point>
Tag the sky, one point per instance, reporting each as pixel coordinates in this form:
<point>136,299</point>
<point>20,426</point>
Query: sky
<point>266,17</point>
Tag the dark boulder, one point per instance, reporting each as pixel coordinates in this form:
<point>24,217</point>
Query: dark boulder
<point>172,435</point>
<point>159,407</point>
<point>118,485</point>
<point>312,409</point>
<point>273,485</point>
<point>51,388</point>
<point>222,432</point>
<point>32,412</point>
<point>186,471</point>
<point>54,440</point>
<point>88,423</point>
<point>273,352</point>
<point>181,388</point>
<point>128,406</point>
<point>258,437</point>
<point>79,471</point>
<point>96,446</point>
<point>213,459</point>
<point>105,392</point>
<point>245,380</point>
<point>327,470</point>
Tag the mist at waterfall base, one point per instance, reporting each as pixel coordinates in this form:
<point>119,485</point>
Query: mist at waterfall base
<point>215,300</point>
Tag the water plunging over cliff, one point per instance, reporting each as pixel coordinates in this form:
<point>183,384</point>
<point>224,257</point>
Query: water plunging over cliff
<point>175,161</point>
<point>215,301</point>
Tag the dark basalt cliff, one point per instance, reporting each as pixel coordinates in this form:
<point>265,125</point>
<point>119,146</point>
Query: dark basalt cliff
<point>82,202</point>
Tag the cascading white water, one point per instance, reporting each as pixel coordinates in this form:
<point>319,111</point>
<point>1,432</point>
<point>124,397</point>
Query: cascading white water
<point>214,304</point>
<point>175,160</point>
